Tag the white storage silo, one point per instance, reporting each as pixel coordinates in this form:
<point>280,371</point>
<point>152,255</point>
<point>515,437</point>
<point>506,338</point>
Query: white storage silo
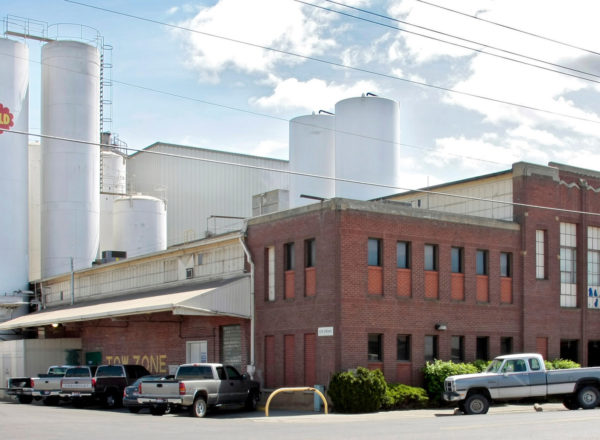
<point>114,175</point>
<point>70,212</point>
<point>312,151</point>
<point>139,225</point>
<point>367,133</point>
<point>14,115</point>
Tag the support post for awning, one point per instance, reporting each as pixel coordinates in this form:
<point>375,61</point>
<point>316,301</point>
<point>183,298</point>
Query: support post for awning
<point>252,329</point>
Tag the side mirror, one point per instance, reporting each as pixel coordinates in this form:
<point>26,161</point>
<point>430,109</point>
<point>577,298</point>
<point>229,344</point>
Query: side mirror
<point>245,376</point>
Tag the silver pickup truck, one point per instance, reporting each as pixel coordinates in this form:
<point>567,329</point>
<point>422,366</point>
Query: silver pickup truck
<point>44,386</point>
<point>519,376</point>
<point>199,387</point>
<point>47,386</point>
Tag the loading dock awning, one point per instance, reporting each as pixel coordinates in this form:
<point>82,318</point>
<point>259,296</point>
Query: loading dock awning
<point>227,298</point>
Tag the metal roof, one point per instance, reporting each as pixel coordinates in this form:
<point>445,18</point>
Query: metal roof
<point>229,298</point>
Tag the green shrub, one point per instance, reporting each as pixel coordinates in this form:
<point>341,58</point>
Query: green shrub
<point>561,364</point>
<point>358,392</point>
<point>436,372</point>
<point>481,365</point>
<point>400,396</point>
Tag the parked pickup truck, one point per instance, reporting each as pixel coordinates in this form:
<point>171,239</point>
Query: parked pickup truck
<point>519,376</point>
<point>47,386</point>
<point>105,386</point>
<point>77,384</point>
<point>199,387</point>
<point>25,389</point>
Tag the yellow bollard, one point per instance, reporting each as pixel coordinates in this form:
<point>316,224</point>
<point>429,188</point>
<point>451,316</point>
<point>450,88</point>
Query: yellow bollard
<point>280,390</point>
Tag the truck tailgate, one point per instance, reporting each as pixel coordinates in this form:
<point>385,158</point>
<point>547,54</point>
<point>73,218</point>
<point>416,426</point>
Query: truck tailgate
<point>77,385</point>
<point>42,384</point>
<point>159,389</point>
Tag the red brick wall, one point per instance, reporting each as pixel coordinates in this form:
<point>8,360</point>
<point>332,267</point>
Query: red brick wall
<point>343,301</point>
<point>289,353</point>
<point>156,340</point>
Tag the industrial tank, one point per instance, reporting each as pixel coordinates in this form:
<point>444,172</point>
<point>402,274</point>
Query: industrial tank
<point>367,133</point>
<point>114,175</point>
<point>14,115</point>
<point>139,225</point>
<point>312,151</point>
<point>70,212</point>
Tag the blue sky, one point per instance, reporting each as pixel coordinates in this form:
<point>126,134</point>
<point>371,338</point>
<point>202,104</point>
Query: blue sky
<point>448,136</point>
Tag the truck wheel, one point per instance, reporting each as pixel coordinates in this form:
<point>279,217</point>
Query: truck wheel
<point>25,399</point>
<point>571,403</point>
<point>588,397</point>
<point>199,407</point>
<point>51,401</point>
<point>251,401</point>
<point>112,400</point>
<point>158,410</point>
<point>476,404</point>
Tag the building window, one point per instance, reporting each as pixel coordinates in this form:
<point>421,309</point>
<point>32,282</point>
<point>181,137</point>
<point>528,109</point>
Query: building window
<point>505,264</point>
<point>310,253</point>
<point>270,273</point>
<point>482,262</point>
<point>403,344</point>
<point>375,347</point>
<point>593,267</point>
<point>403,255</point>
<point>374,249</point>
<point>456,254</point>
<point>289,258</point>
<point>430,257</point>
<point>540,254</point>
<point>569,349</point>
<point>568,265</point>
<point>457,349</point>
<point>506,345</point>
<point>199,258</point>
<point>482,347</point>
<point>431,348</point>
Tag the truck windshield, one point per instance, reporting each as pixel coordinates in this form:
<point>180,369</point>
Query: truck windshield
<point>110,371</point>
<point>494,367</point>
<point>78,372</point>
<point>57,370</point>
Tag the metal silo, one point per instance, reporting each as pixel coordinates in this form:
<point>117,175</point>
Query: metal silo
<point>139,225</point>
<point>14,115</point>
<point>366,144</point>
<point>312,151</point>
<point>114,175</point>
<point>70,213</point>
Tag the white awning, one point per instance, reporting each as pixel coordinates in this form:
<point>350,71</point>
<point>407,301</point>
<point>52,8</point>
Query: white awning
<point>230,298</point>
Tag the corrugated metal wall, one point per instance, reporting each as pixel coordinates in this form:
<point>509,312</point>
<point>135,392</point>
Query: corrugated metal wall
<point>196,190</point>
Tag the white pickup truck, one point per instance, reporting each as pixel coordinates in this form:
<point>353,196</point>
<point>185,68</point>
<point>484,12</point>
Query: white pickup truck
<point>519,376</point>
<point>199,387</point>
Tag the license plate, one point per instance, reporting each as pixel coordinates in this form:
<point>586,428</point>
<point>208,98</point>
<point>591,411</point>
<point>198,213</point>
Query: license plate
<point>45,393</point>
<point>75,394</point>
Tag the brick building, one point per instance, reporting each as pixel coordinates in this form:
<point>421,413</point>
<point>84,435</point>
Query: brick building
<point>500,263</point>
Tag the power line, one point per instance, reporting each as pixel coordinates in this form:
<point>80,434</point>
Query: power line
<point>265,115</point>
<point>356,69</point>
<point>562,43</point>
<point>455,37</point>
<point>298,173</point>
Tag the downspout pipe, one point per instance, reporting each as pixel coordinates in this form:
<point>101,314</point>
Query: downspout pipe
<point>252,366</point>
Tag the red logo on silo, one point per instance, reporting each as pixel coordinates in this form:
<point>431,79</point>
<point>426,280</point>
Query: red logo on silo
<point>6,118</point>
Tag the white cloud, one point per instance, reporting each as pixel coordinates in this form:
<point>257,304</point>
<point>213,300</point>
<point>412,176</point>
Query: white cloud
<point>538,136</point>
<point>312,95</point>
<point>271,148</point>
<point>267,23</point>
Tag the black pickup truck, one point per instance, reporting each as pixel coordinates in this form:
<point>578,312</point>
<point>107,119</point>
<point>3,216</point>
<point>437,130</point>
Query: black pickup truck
<point>105,386</point>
